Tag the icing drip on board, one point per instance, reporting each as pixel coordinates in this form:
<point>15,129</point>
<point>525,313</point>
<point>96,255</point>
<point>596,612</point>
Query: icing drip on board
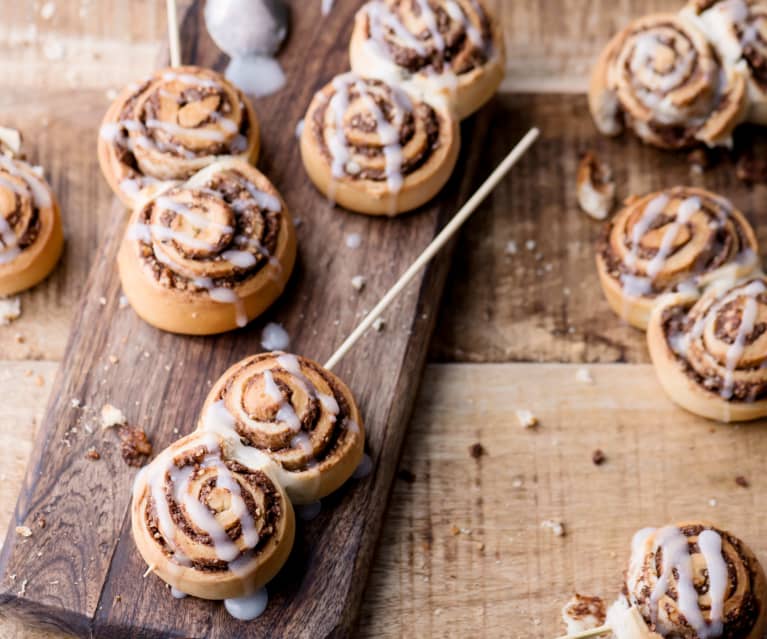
<point>249,607</point>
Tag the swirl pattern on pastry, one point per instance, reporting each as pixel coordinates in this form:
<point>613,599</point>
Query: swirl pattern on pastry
<point>170,126</point>
<point>295,411</point>
<point>31,237</point>
<point>738,31</point>
<point>711,354</point>
<point>211,254</point>
<point>209,518</point>
<point>374,148</point>
<point>452,47</point>
<point>695,581</point>
<point>662,78</point>
<point>677,239</point>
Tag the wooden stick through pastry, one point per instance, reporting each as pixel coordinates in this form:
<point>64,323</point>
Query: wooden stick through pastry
<point>437,243</point>
<point>173,35</point>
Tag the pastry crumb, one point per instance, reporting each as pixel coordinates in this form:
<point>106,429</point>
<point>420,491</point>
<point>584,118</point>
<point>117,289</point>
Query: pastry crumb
<point>75,403</point>
<point>23,589</point>
<point>583,375</point>
<point>379,324</point>
<point>511,247</point>
<point>583,613</point>
<point>40,380</point>
<point>476,450</point>
<point>23,531</point>
<point>10,310</point>
<point>10,142</point>
<point>111,416</point>
<point>526,418</point>
<point>598,457</point>
<point>741,481</point>
<point>595,187</point>
<point>358,283</point>
<point>92,454</point>
<point>556,527</point>
<point>114,359</point>
<point>136,448</point>
<point>455,530</point>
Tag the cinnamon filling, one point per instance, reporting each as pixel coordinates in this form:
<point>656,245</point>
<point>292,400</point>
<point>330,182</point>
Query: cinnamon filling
<point>257,481</point>
<point>458,52</point>
<point>331,444</point>
<point>422,114</point>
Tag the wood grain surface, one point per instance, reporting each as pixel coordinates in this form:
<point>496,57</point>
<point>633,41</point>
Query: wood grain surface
<point>427,582</point>
<point>84,575</point>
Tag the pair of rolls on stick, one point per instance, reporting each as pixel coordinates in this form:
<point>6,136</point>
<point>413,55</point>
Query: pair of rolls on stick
<point>212,513</point>
<point>384,139</point>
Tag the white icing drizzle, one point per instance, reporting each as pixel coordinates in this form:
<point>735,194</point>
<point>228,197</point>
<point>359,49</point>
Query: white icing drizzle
<point>178,594</point>
<point>710,544</point>
<point>9,250</point>
<point>388,133</point>
<point>188,78</point>
<point>677,559</point>
<point>249,607</point>
<point>274,337</point>
<point>686,210</point>
<point>327,6</point>
<point>40,194</point>
<point>200,221</point>
<point>747,320</point>
<point>654,208</point>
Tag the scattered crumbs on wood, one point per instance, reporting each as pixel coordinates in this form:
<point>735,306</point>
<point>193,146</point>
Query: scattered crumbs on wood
<point>23,589</point>
<point>511,247</point>
<point>476,450</point>
<point>123,301</point>
<point>103,301</point>
<point>379,324</point>
<point>10,310</point>
<point>111,416</point>
<point>92,454</point>
<point>40,380</point>
<point>526,418</point>
<point>583,375</point>
<point>23,531</point>
<point>741,481</point>
<point>75,403</point>
<point>29,373</point>
<point>455,530</point>
<point>406,475</point>
<point>517,482</point>
<point>40,520</point>
<point>712,502</point>
<point>19,338</point>
<point>118,598</point>
<point>530,245</point>
<point>556,527</point>
<point>114,359</point>
<point>598,457</point>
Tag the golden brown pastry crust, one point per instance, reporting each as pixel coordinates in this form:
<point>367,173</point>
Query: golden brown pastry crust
<point>295,411</point>
<point>216,268</point>
<point>660,77</point>
<point>209,518</point>
<point>462,57</point>
<point>743,603</point>
<point>709,354</point>
<point>31,236</point>
<point>680,238</point>
<point>170,126</point>
<point>392,152</point>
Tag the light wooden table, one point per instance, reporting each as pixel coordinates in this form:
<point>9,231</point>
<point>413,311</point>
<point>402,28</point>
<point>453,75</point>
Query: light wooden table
<point>463,552</point>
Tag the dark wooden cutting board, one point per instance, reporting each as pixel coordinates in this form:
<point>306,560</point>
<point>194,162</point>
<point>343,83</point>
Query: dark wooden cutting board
<point>80,572</point>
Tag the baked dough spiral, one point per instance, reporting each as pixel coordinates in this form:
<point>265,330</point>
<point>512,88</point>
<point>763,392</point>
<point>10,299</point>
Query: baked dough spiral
<point>662,78</point>
<point>710,355</point>
<point>170,126</point>
<point>298,413</point>
<point>738,31</point>
<point>696,581</point>
<point>210,519</point>
<point>208,255</point>
<point>448,47</point>
<point>373,148</point>
<point>677,239</point>
<point>31,237</point>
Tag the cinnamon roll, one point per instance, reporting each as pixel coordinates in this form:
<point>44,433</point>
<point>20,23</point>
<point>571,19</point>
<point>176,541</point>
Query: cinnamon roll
<point>452,48</point>
<point>662,78</point>
<point>374,148</point>
<point>170,126</point>
<point>210,519</point>
<point>210,254</point>
<point>298,413</point>
<point>31,237</point>
<point>696,581</point>
<point>678,239</point>
<point>738,31</point>
<point>710,355</point>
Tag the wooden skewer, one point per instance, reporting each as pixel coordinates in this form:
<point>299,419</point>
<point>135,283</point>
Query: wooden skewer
<point>173,36</point>
<point>437,243</point>
<point>586,634</point>
<point>150,569</point>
